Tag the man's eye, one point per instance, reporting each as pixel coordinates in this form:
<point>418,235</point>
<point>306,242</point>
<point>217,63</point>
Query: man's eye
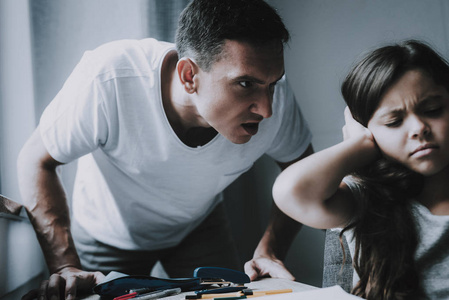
<point>246,84</point>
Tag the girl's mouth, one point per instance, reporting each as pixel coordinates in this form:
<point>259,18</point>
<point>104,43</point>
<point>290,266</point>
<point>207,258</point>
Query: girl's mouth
<point>424,150</point>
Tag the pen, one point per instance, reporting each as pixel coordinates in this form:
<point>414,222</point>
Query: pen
<point>158,294</point>
<point>127,296</point>
<point>226,289</point>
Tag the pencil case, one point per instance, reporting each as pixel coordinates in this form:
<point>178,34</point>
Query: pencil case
<point>117,286</point>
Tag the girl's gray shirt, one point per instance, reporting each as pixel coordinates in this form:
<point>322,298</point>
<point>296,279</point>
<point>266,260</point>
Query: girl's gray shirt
<point>432,253</point>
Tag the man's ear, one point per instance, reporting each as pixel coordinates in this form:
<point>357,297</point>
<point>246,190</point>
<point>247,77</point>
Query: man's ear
<point>187,69</point>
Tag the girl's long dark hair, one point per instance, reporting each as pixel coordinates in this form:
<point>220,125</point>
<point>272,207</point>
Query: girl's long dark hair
<point>385,233</point>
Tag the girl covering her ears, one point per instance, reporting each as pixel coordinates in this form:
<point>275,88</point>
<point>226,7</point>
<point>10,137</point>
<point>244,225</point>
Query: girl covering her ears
<point>387,183</point>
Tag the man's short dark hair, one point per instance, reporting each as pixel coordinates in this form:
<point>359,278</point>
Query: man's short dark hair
<point>204,25</point>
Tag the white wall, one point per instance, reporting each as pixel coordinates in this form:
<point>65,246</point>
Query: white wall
<point>20,255</point>
<point>21,259</point>
<point>63,31</point>
<point>16,89</point>
<point>32,70</point>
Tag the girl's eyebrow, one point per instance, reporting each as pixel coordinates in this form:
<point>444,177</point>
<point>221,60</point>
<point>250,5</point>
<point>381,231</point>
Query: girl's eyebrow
<point>384,113</point>
<point>436,98</point>
<point>389,113</point>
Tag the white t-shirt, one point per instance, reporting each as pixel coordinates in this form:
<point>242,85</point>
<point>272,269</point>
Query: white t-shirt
<point>137,185</point>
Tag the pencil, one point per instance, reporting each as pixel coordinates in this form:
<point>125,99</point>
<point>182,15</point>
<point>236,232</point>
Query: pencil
<point>270,292</point>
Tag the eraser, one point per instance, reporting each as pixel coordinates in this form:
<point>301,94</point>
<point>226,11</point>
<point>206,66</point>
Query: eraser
<point>247,292</point>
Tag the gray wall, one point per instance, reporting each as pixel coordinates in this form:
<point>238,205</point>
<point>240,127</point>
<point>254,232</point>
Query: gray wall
<point>327,36</point>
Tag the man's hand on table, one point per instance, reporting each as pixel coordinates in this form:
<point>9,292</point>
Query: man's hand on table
<point>273,247</point>
<point>264,266</point>
<point>65,284</point>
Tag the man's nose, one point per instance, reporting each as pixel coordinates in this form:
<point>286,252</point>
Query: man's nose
<point>263,105</point>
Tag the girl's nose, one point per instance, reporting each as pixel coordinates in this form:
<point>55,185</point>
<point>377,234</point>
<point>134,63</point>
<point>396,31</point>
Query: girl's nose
<point>418,127</point>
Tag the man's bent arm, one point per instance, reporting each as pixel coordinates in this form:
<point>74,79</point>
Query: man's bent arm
<point>276,241</point>
<point>46,204</point>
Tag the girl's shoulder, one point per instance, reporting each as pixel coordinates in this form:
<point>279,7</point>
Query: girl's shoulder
<point>424,215</point>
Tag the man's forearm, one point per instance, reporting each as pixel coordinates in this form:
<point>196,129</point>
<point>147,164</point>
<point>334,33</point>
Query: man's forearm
<point>281,229</point>
<point>279,235</point>
<point>46,205</point>
<point>276,241</point>
<point>49,213</point>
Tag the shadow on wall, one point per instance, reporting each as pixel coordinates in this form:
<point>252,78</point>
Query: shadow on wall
<point>21,259</point>
<point>248,201</point>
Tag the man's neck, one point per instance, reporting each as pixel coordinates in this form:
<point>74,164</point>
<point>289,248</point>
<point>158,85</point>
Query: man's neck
<point>179,109</point>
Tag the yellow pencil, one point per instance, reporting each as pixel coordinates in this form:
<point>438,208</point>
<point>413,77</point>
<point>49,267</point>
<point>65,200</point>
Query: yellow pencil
<point>270,292</point>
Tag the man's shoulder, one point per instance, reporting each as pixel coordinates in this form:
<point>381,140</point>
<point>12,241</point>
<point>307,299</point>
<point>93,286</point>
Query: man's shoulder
<point>129,53</point>
<point>284,99</point>
<point>282,89</point>
<point>124,45</point>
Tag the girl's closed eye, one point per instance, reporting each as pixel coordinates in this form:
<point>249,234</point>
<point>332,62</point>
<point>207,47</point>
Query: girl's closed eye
<point>393,119</point>
<point>396,122</point>
<point>434,111</point>
<point>432,107</point>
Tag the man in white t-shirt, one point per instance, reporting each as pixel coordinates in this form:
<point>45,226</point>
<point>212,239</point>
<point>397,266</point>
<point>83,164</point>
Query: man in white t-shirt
<point>159,131</point>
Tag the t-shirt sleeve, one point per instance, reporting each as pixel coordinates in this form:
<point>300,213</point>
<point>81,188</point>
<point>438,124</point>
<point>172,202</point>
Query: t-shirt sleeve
<point>75,122</point>
<point>293,136</point>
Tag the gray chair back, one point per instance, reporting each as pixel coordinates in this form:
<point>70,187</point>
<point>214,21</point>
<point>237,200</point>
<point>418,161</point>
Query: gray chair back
<point>334,271</point>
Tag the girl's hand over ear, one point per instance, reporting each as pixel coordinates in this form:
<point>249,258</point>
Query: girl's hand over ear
<point>353,129</point>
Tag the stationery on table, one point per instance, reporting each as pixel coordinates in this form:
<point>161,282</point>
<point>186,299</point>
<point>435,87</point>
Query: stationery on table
<point>147,295</point>
<point>243,294</point>
<point>205,280</point>
<point>207,283</point>
<point>329,293</point>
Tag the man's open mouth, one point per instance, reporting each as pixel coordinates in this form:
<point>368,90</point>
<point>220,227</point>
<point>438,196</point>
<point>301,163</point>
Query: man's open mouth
<point>251,128</point>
